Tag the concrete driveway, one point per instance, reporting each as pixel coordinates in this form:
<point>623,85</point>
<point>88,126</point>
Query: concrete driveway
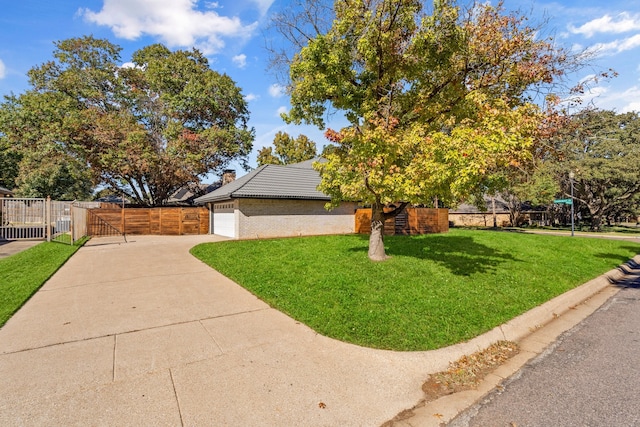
<point>12,247</point>
<point>144,334</point>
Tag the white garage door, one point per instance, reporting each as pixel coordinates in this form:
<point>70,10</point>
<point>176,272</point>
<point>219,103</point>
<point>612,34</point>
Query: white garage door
<point>224,224</point>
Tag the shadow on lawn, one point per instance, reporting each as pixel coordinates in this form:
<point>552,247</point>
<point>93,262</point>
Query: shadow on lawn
<point>461,255</point>
<point>617,258</point>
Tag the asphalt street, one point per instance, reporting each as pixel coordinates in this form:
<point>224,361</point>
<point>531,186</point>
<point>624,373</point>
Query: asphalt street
<point>589,377</point>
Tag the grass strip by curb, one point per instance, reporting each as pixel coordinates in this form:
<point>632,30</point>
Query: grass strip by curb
<point>22,274</point>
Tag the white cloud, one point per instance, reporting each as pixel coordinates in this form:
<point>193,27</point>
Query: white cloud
<point>282,110</point>
<point>587,78</point>
<point>176,22</point>
<point>596,92</point>
<point>251,97</point>
<point>632,106</point>
<point>240,60</point>
<point>606,98</point>
<point>577,47</point>
<point>624,101</point>
<point>3,70</point>
<point>622,23</point>
<point>276,91</point>
<point>616,46</point>
<point>263,5</point>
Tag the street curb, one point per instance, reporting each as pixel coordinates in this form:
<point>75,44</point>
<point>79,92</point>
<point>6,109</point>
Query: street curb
<point>533,331</point>
<point>520,327</point>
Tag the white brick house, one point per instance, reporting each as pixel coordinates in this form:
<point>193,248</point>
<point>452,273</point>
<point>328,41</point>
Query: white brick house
<point>276,201</point>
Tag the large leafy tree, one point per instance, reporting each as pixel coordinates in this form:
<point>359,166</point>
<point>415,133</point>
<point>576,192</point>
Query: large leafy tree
<point>538,188</point>
<point>287,150</point>
<point>9,161</point>
<point>144,130</point>
<point>437,102</point>
<point>602,149</point>
<point>48,174</point>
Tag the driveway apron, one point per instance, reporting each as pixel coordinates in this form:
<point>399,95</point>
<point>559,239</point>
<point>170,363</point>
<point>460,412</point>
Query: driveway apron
<point>143,333</point>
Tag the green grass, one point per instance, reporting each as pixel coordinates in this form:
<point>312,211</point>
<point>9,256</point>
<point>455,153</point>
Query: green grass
<point>436,290</point>
<point>584,228</point>
<point>22,274</point>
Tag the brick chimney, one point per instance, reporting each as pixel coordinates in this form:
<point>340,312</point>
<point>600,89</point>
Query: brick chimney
<point>228,175</point>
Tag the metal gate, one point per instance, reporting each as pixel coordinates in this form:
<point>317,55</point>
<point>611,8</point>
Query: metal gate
<point>42,219</point>
<point>22,219</point>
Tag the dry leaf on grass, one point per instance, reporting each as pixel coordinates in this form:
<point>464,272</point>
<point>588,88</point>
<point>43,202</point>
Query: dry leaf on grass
<point>466,372</point>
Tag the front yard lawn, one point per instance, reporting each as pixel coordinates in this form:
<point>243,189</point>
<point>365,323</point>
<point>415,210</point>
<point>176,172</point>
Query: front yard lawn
<point>22,274</point>
<point>435,291</point>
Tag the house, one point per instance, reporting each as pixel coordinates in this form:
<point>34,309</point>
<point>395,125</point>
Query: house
<point>185,196</point>
<point>276,201</point>
<point>5,192</point>
<point>467,215</point>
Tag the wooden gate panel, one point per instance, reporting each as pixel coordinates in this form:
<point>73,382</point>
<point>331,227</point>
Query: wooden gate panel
<point>190,220</point>
<point>412,221</point>
<point>157,221</point>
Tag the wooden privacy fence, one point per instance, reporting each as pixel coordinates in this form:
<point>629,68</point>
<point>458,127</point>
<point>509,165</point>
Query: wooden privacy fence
<point>409,221</point>
<point>148,221</point>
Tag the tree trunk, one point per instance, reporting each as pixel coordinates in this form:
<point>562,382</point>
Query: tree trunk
<point>493,208</point>
<point>596,211</point>
<point>376,239</point>
<point>596,220</point>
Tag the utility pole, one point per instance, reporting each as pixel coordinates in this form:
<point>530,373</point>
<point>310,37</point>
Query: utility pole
<point>571,176</point>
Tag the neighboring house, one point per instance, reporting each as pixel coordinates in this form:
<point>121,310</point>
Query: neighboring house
<point>5,192</point>
<point>470,216</point>
<point>276,201</point>
<point>186,195</point>
<point>113,199</point>
<point>467,215</point>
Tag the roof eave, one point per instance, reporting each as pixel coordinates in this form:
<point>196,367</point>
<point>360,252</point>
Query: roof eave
<point>261,196</point>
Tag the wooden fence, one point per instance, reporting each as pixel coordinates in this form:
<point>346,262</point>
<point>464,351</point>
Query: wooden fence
<point>150,221</point>
<point>410,221</point>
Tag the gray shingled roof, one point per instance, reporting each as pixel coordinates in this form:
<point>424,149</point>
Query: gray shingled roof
<point>295,181</point>
<point>5,191</point>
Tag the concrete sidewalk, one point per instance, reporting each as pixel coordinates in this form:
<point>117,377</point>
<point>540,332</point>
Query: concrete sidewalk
<point>143,333</point>
<point>12,247</point>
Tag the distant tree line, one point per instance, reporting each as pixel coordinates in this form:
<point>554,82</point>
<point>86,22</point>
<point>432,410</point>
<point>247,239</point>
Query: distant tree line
<point>602,150</point>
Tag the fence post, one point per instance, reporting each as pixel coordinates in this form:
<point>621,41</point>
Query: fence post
<point>72,226</point>
<point>122,216</point>
<point>47,218</point>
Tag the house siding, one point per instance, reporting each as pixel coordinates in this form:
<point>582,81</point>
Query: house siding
<point>260,218</point>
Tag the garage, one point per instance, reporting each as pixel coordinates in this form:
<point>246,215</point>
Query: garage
<point>276,201</point>
<point>224,220</point>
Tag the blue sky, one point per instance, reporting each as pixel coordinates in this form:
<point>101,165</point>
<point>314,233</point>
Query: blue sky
<point>230,33</point>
